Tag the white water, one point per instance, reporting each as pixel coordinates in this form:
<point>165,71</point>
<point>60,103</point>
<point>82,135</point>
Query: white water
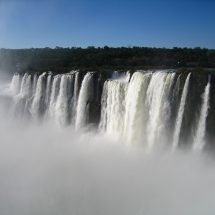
<point>139,110</point>
<point>76,87</point>
<point>38,104</point>
<point>180,115</point>
<point>85,95</point>
<point>143,109</point>
<point>48,96</point>
<point>48,89</point>
<point>135,110</point>
<point>75,97</point>
<point>54,94</point>
<point>113,107</point>
<point>26,87</point>
<point>62,105</point>
<point>15,84</point>
<point>199,141</point>
<point>166,111</point>
<point>35,79</point>
<point>158,106</point>
<point>21,89</point>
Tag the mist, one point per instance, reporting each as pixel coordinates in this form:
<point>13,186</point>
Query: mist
<point>45,170</point>
<point>50,170</point>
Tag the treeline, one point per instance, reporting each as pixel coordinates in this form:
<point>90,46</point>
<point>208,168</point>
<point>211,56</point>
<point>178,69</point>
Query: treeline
<point>105,58</point>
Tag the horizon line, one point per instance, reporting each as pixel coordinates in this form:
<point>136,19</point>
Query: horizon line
<point>96,47</point>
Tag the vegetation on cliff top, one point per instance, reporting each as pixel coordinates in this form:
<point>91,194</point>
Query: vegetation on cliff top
<point>105,58</point>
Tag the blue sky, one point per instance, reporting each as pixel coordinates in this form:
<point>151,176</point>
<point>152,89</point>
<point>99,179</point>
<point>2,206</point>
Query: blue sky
<point>66,23</point>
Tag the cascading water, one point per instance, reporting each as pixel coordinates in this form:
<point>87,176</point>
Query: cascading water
<point>76,87</point>
<point>48,89</point>
<point>181,113</point>
<point>113,106</point>
<point>158,106</point>
<point>22,91</point>
<point>53,96</point>
<point>38,104</point>
<point>135,110</point>
<point>15,84</point>
<point>142,108</point>
<point>35,79</point>
<point>199,141</point>
<point>26,86</point>
<point>75,96</point>
<point>62,108</point>
<point>85,95</point>
<point>166,111</point>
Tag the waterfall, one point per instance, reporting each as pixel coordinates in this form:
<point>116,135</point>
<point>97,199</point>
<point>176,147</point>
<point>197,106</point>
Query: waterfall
<point>35,78</point>
<point>53,96</point>
<point>175,96</point>
<point>145,108</point>
<point>76,87</point>
<point>23,84</point>
<point>199,141</point>
<point>139,110</point>
<point>62,103</point>
<point>135,112</point>
<point>113,106</point>
<point>163,132</point>
<point>23,98</point>
<point>158,105</point>
<point>75,96</point>
<point>15,84</point>
<point>180,114</point>
<point>38,104</point>
<point>48,89</point>
<point>48,95</point>
<point>85,95</point>
<point>26,86</point>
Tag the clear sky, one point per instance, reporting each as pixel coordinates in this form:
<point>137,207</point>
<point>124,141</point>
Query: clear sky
<point>66,23</point>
